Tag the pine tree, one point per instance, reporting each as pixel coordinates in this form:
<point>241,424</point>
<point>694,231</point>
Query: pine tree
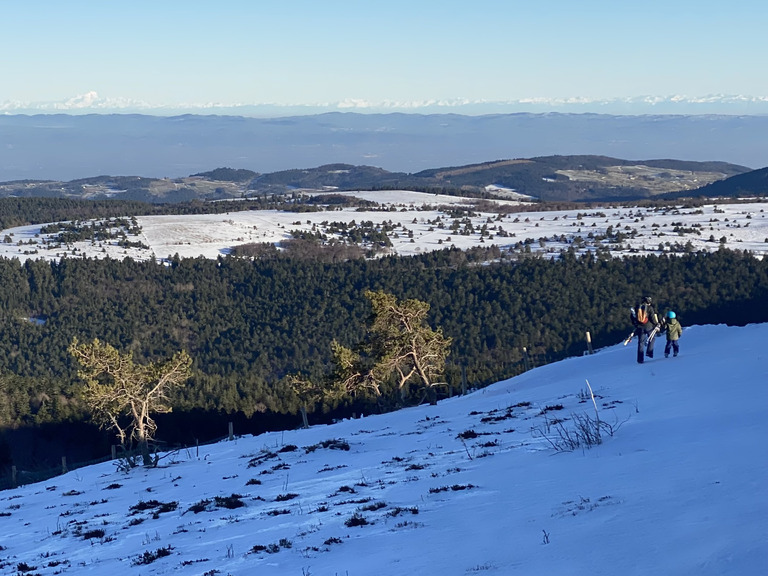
<point>123,395</point>
<point>401,349</point>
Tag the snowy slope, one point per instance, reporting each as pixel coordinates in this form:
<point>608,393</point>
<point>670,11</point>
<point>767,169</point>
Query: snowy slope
<point>679,488</point>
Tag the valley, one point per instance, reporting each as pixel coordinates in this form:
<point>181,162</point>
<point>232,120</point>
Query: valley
<point>407,223</point>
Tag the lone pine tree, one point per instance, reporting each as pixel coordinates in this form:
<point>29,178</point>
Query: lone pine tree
<point>123,395</point>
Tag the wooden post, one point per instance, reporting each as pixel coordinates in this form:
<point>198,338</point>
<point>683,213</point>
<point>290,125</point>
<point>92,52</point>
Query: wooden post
<point>463,380</point>
<point>63,464</point>
<point>231,431</point>
<point>526,363</point>
<point>13,476</point>
<point>114,452</point>
<point>589,343</point>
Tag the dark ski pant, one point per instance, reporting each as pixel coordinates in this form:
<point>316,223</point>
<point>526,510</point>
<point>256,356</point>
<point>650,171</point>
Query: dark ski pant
<point>644,344</point>
<point>672,345</point>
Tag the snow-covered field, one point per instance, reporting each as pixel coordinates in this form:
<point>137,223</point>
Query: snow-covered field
<point>473,485</point>
<point>419,225</point>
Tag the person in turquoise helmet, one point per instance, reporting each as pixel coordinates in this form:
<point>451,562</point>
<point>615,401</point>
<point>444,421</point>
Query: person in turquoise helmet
<point>674,331</point>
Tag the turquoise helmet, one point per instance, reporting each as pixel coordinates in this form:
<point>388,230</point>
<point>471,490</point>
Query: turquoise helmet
<point>670,314</point>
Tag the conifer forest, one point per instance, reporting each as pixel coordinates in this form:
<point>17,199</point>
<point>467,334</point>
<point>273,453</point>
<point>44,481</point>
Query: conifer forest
<point>248,324</point>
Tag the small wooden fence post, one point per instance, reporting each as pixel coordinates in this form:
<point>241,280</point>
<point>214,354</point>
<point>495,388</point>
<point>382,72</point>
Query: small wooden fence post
<point>589,343</point>
<point>526,362</point>
<point>231,431</point>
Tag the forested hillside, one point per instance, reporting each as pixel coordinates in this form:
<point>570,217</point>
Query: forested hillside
<point>754,183</point>
<point>247,324</point>
<point>580,178</point>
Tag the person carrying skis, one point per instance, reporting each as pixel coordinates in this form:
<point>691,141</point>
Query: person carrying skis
<point>646,324</point>
<point>674,330</point>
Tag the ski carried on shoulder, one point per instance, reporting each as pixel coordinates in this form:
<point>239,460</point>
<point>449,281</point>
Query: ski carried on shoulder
<point>628,339</point>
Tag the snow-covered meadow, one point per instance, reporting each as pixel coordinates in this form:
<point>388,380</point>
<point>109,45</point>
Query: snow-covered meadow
<point>419,222</point>
<point>473,485</point>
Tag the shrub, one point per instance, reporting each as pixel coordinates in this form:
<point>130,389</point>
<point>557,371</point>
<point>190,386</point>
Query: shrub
<point>272,548</point>
<point>263,457</point>
<point>284,497</point>
<point>356,520</point>
<point>552,408</point>
<point>231,502</point>
<point>335,444</point>
<point>454,488</point>
<point>148,557</point>
<point>397,511</point>
<point>200,506</point>
<point>141,506</point>
<point>155,505</point>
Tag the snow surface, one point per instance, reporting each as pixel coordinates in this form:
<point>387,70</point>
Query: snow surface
<point>679,488</point>
<point>744,226</point>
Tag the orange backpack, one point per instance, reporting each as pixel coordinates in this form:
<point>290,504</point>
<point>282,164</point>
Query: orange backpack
<point>642,315</point>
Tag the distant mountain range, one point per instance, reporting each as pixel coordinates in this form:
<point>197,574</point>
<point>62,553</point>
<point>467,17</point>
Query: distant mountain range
<point>66,147</point>
<point>93,103</point>
<point>547,178</point>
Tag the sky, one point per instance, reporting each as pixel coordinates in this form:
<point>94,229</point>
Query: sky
<point>358,55</point>
<point>481,484</point>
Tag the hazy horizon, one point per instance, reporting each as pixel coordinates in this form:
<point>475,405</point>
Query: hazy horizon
<point>716,104</point>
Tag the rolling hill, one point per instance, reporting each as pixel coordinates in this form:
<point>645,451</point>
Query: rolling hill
<point>547,178</point>
<point>752,183</point>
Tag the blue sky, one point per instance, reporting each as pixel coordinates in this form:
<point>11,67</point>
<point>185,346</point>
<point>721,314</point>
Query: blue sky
<point>295,52</point>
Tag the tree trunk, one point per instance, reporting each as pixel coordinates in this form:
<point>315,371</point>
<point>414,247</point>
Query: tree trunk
<point>146,457</point>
